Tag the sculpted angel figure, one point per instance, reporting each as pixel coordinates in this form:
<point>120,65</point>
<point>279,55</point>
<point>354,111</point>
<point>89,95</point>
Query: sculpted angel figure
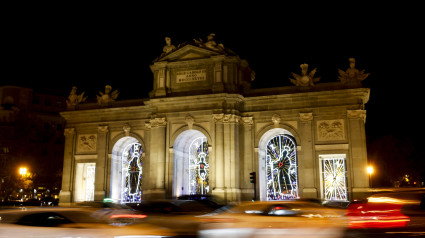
<point>74,98</point>
<point>108,96</point>
<point>352,74</point>
<point>305,79</point>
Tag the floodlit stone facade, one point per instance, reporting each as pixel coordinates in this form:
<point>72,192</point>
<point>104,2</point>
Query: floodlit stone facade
<point>203,129</point>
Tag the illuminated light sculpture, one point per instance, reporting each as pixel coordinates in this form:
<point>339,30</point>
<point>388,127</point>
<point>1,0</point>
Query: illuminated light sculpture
<point>90,173</point>
<point>198,166</point>
<point>334,179</point>
<point>281,164</point>
<point>132,173</point>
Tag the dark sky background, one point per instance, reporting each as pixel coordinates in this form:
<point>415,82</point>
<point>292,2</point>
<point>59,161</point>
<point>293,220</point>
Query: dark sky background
<point>91,46</point>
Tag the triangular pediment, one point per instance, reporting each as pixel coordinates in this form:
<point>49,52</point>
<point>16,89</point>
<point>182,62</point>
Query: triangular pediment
<point>188,52</point>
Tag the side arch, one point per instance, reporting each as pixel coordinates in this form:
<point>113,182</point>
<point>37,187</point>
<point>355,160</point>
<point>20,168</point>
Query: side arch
<point>119,136</point>
<point>117,151</point>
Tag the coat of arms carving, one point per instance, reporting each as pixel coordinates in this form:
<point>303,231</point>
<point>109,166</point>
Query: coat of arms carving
<point>330,130</point>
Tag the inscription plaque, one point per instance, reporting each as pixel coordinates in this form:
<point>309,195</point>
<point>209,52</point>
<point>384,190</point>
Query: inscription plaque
<point>191,76</point>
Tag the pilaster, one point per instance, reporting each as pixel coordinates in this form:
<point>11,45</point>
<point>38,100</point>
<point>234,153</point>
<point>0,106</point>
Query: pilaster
<point>247,159</point>
<point>156,188</point>
<point>162,78</point>
<point>218,85</point>
<point>218,190</point>
<point>358,152</point>
<point>307,164</point>
<point>65,197</point>
<point>230,160</point>
<point>101,163</point>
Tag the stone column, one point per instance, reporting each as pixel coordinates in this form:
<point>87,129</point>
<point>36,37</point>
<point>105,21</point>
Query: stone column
<point>218,190</point>
<point>307,162</point>
<point>101,163</point>
<point>157,158</point>
<point>358,156</point>
<point>65,195</point>
<point>247,160</point>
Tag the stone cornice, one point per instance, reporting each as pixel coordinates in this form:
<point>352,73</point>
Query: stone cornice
<point>328,98</point>
<point>107,114</point>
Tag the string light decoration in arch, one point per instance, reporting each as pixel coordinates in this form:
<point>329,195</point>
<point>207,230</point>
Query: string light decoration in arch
<point>199,166</point>
<point>281,166</point>
<point>132,173</point>
<point>334,179</point>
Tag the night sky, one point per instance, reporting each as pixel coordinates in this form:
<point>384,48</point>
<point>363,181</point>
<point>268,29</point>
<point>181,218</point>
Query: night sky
<point>91,46</point>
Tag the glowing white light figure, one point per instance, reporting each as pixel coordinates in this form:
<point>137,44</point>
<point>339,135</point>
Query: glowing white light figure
<point>198,166</point>
<point>132,173</point>
<point>91,170</point>
<point>281,164</point>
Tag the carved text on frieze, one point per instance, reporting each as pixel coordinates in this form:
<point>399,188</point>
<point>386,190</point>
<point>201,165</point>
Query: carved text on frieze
<point>191,75</point>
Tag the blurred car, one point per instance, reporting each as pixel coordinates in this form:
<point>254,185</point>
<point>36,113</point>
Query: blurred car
<point>209,200</point>
<point>178,215</point>
<point>32,202</point>
<point>113,213</point>
<point>68,222</point>
<point>21,203</point>
<point>173,207</point>
<point>288,218</point>
<point>49,201</point>
<point>388,213</point>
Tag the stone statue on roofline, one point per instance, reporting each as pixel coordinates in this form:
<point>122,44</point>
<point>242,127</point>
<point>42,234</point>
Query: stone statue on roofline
<point>210,44</point>
<point>168,46</point>
<point>75,99</point>
<point>352,75</point>
<point>305,79</point>
<point>107,97</point>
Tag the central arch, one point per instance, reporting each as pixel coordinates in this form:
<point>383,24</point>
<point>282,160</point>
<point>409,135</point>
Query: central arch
<point>191,164</point>
<point>278,165</point>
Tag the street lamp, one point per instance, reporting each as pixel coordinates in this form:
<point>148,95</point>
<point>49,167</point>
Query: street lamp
<point>370,172</point>
<point>23,171</point>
